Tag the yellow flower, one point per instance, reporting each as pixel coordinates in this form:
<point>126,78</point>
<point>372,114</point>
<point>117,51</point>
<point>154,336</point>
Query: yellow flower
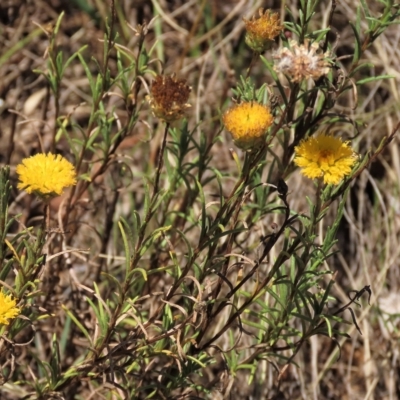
<point>248,123</point>
<point>261,32</point>
<point>168,98</point>
<point>8,308</point>
<point>301,61</point>
<point>325,156</point>
<point>46,174</point>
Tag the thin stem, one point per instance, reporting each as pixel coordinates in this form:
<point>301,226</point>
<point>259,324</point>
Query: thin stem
<point>253,61</point>
<point>46,217</point>
<point>160,160</point>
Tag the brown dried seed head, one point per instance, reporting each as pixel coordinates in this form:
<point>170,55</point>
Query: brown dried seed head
<point>168,97</point>
<point>301,61</point>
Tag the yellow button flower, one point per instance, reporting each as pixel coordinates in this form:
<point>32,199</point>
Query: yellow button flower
<point>261,31</point>
<point>8,308</point>
<point>248,123</point>
<point>46,174</point>
<point>325,156</point>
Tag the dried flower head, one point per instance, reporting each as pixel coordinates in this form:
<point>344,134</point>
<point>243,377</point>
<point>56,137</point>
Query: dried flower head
<point>301,61</point>
<point>325,157</point>
<point>248,123</point>
<point>261,31</point>
<point>45,175</point>
<point>8,308</point>
<point>168,98</point>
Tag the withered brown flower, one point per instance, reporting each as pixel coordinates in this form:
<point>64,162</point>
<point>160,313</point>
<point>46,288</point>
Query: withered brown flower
<point>168,97</point>
<point>301,62</point>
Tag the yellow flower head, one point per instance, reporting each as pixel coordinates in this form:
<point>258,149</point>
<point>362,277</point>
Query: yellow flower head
<point>325,156</point>
<point>301,62</point>
<point>248,123</point>
<point>46,174</point>
<point>261,31</point>
<point>168,98</point>
<point>8,308</point>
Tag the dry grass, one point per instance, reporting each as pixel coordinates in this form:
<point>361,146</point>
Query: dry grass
<point>203,42</point>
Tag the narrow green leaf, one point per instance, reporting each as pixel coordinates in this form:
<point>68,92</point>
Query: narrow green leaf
<point>374,78</point>
<point>87,72</point>
<point>8,52</point>
<point>103,316</point>
<point>254,324</point>
<point>140,270</point>
<point>58,23</point>
<point>189,248</point>
<point>358,19</point>
<point>55,367</point>
<point>113,279</point>
<point>203,209</point>
<point>78,324</point>
<point>328,325</point>
<point>126,246</point>
<point>64,340</point>
<point>146,204</point>
<point>270,67</point>
<point>195,360</point>
<point>365,8</point>
<point>357,44</point>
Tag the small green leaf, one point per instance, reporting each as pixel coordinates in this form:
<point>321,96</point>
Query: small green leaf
<point>58,23</point>
<point>374,78</point>
<point>55,367</point>
<point>88,72</point>
<point>357,44</point>
<point>121,224</point>
<point>78,324</point>
<point>270,67</point>
<point>365,8</point>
